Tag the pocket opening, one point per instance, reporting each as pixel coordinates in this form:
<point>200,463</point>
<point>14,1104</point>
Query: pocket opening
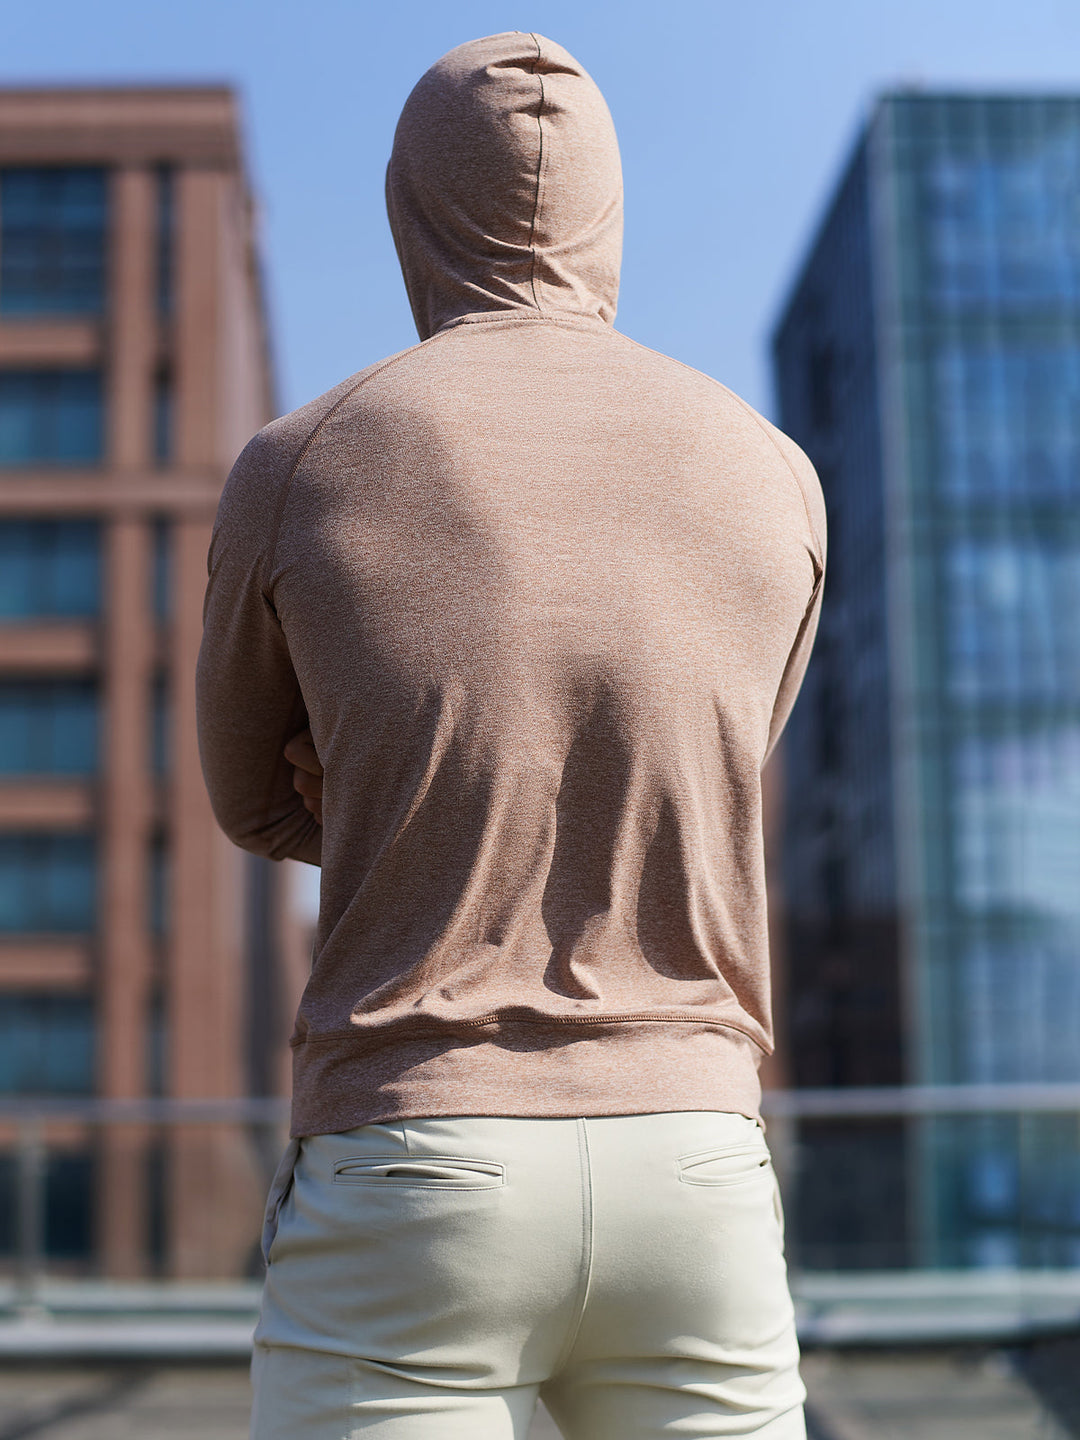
<point>436,1172</point>
<point>727,1165</point>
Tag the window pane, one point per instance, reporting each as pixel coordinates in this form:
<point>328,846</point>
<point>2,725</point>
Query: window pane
<point>157,899</point>
<point>1002,227</point>
<point>46,1044</point>
<point>1021,1018</point>
<point>159,725</point>
<point>67,899</point>
<point>69,1204</point>
<point>48,727</point>
<point>1013,620</point>
<point>1008,419</point>
<point>49,568</point>
<point>47,883</point>
<point>1017,824</point>
<point>52,241</point>
<point>160,574</point>
<point>162,437</point>
<point>50,417</point>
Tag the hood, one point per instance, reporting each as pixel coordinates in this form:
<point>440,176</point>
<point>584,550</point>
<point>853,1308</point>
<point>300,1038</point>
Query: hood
<point>504,187</point>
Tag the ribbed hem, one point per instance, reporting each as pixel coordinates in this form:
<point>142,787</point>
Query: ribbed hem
<point>640,1068</point>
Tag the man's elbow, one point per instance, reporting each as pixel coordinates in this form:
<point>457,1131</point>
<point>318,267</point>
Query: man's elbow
<point>292,835</point>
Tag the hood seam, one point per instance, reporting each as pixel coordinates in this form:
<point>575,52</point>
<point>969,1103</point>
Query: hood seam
<point>539,175</point>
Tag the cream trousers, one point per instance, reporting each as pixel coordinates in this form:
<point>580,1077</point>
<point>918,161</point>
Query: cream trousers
<point>432,1278</point>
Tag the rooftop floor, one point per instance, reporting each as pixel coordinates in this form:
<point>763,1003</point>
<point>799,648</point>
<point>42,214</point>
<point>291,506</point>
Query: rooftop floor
<point>954,1394</point>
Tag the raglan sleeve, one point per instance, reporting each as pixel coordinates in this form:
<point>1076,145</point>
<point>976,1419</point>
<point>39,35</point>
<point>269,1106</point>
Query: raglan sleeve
<point>248,699</point>
<point>799,656</point>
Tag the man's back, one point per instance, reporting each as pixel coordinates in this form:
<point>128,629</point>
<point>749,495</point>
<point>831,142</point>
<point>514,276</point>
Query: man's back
<point>545,598</point>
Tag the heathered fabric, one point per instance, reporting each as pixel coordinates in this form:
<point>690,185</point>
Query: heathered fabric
<point>545,598</point>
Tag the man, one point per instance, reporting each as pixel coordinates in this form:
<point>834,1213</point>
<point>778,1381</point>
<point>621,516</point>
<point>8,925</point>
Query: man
<point>536,601</point>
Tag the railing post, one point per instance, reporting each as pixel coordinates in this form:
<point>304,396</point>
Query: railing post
<point>29,1212</point>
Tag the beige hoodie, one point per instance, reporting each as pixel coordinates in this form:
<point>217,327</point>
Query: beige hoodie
<point>545,598</point>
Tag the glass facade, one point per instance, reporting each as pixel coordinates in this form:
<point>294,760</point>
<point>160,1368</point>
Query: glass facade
<point>988,291</point>
<point>48,727</point>
<point>49,569</point>
<point>970,329</point>
<point>48,883</point>
<point>51,417</point>
<point>52,241</point>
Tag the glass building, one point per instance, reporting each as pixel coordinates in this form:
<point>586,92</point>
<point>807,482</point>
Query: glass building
<point>928,361</point>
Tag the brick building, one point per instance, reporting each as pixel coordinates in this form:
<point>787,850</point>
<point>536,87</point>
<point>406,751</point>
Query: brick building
<point>140,952</point>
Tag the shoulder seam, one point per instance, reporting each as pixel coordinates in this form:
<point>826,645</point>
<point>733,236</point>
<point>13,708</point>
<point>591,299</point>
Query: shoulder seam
<point>819,559</point>
<point>279,509</point>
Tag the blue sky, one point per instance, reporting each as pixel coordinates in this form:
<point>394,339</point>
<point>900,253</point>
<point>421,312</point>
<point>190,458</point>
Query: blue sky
<point>733,120</point>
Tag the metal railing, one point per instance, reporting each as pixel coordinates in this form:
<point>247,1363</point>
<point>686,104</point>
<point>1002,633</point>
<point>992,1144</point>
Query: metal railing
<point>894,1101</point>
<point>926,1134</point>
<point>31,1118</point>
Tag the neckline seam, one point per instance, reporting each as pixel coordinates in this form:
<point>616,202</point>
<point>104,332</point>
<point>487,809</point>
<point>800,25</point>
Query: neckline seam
<point>524,316</point>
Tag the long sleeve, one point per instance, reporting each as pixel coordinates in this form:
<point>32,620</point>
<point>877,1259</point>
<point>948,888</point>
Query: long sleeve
<point>806,478</point>
<point>795,669</point>
<point>248,698</point>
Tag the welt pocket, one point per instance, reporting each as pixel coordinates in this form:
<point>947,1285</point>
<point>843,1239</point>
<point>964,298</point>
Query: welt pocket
<point>426,1172</point>
<point>726,1165</point>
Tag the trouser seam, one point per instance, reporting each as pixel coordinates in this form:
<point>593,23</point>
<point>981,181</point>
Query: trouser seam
<point>587,1243</point>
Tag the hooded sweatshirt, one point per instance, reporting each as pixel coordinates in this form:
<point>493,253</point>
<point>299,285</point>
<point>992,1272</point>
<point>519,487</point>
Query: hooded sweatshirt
<point>545,598</point>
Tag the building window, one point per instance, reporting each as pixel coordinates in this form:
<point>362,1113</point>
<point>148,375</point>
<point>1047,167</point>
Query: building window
<point>821,385</point>
<point>1016,817</point>
<point>50,417</point>
<point>69,1204</point>
<point>161,568</point>
<point>163,418</point>
<point>156,1042</point>
<point>47,883</point>
<point>1002,227</point>
<point>166,224</point>
<point>52,241</point>
<point>157,899</point>
<point>49,568</point>
<point>159,724</point>
<point>1008,421</point>
<point>1013,620</point>
<point>48,727</point>
<point>46,1044</point>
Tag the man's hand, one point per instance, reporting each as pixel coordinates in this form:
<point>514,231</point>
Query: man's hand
<point>307,771</point>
